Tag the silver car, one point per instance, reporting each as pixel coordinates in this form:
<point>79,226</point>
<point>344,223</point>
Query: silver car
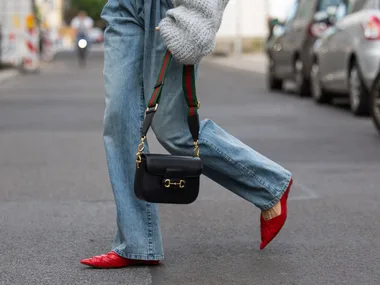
<point>347,57</point>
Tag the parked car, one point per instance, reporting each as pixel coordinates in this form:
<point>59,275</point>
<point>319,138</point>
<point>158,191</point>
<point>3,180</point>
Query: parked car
<point>289,49</point>
<point>347,57</point>
<point>375,102</point>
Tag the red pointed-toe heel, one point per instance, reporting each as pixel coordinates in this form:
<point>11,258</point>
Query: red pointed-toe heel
<point>112,260</point>
<point>270,228</point>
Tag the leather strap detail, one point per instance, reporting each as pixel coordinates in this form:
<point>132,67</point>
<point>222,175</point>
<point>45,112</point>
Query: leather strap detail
<point>189,90</point>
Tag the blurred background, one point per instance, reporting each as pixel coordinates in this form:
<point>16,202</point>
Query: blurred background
<point>297,80</point>
<point>244,27</point>
<point>46,22</point>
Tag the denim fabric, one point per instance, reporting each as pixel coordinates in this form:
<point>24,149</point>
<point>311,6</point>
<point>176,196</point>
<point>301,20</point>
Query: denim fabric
<point>133,55</point>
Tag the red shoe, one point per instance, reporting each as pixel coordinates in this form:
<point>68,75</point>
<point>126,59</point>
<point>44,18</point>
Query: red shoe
<point>112,260</point>
<point>270,228</point>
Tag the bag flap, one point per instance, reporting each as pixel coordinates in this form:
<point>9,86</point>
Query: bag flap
<point>162,165</point>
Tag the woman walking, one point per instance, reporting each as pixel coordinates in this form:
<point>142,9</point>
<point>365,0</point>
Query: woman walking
<point>134,50</point>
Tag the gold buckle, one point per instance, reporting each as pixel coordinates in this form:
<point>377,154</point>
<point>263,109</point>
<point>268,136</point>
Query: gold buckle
<point>199,104</point>
<point>140,149</point>
<point>169,183</point>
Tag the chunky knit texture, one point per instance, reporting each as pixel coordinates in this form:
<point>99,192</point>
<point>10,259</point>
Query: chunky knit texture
<point>189,29</point>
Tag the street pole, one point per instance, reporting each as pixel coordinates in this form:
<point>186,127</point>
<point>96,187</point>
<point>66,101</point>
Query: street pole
<point>238,37</point>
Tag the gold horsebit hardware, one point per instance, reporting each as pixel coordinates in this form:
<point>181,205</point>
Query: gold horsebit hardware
<point>168,183</point>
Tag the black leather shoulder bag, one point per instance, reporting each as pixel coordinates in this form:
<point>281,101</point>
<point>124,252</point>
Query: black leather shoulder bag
<point>170,179</point>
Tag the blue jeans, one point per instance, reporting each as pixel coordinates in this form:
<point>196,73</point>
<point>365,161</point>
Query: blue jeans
<point>133,55</point>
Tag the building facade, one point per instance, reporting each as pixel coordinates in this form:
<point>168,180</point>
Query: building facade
<point>245,23</point>
<point>51,12</point>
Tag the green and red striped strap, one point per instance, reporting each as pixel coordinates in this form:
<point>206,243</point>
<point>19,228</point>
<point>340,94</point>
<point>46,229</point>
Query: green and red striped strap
<point>189,89</point>
<point>155,99</point>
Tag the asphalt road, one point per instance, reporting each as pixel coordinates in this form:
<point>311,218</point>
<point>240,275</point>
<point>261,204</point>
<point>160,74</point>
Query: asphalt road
<point>56,205</point>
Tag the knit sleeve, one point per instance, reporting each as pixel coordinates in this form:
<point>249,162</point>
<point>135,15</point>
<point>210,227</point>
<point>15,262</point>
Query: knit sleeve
<point>189,29</point>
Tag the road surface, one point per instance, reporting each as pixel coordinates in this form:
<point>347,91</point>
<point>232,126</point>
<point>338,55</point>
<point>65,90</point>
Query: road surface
<point>56,205</point>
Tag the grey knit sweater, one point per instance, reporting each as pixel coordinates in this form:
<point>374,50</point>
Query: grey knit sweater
<point>189,29</point>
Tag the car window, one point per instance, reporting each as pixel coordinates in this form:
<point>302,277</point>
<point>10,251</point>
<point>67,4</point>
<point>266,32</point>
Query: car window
<point>372,4</point>
<point>292,13</point>
<point>306,9</point>
<point>324,4</point>
<point>356,5</point>
<point>341,11</point>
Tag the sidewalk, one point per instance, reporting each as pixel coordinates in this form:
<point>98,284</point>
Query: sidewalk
<point>256,62</point>
<point>7,74</point>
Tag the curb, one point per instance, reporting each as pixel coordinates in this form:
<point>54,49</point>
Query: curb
<point>12,72</point>
<point>7,74</point>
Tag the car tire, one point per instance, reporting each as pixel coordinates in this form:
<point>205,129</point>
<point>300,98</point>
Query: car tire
<point>375,104</point>
<point>274,84</point>
<point>358,94</point>
<point>302,84</point>
<point>319,95</point>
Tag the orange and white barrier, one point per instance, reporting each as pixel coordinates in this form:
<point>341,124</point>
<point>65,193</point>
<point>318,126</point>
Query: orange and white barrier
<point>10,48</point>
<point>20,41</point>
<point>31,58</point>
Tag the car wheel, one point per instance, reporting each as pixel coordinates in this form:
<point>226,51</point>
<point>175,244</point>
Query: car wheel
<point>274,84</point>
<point>359,97</point>
<point>317,91</point>
<point>375,104</point>
<point>302,84</point>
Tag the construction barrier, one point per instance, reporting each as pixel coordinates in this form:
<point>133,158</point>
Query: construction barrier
<point>31,60</point>
<point>20,35</point>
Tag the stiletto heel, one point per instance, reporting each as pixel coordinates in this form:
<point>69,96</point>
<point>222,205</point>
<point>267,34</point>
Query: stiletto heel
<point>270,228</point>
